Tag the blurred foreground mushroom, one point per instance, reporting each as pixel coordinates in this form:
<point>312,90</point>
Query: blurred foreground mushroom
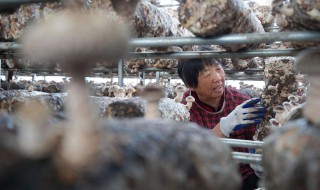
<point>294,149</point>
<point>152,95</point>
<point>62,38</point>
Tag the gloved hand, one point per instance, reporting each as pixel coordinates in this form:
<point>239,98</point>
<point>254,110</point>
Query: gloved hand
<point>257,168</point>
<point>242,116</point>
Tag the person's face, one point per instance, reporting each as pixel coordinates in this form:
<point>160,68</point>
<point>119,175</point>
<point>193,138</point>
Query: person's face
<point>211,82</point>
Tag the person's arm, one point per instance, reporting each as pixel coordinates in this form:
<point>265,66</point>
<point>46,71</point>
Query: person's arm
<point>217,131</point>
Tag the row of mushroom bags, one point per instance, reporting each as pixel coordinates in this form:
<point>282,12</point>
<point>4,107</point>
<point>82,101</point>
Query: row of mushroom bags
<point>83,151</point>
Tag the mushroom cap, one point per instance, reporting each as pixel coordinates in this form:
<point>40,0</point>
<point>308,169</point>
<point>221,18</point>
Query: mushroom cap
<point>152,93</point>
<point>121,90</point>
<point>278,109</point>
<point>293,98</point>
<point>190,99</point>
<point>114,88</point>
<point>308,62</point>
<point>131,89</point>
<point>180,89</point>
<point>75,38</point>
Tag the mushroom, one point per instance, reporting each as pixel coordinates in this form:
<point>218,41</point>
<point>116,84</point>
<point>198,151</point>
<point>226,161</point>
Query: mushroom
<point>308,63</point>
<point>271,87</point>
<point>190,100</point>
<point>280,113</point>
<point>293,99</point>
<point>287,105</point>
<point>274,122</point>
<point>114,89</point>
<point>152,95</point>
<point>179,91</point>
<point>31,88</point>
<point>300,78</point>
<point>130,90</point>
<point>121,92</point>
<point>63,38</point>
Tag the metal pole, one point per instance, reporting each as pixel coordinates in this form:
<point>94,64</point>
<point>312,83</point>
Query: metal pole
<point>120,72</point>
<point>242,143</point>
<point>0,72</point>
<point>33,77</point>
<point>142,76</point>
<point>157,77</point>
<point>247,38</point>
<point>247,157</point>
<point>195,54</point>
<point>6,4</point>
<point>218,54</point>
<point>10,46</point>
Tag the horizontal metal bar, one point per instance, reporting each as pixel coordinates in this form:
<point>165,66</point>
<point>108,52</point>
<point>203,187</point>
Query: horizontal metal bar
<point>242,143</point>
<point>11,46</point>
<point>247,157</point>
<point>183,55</point>
<point>209,54</point>
<point>247,38</point>
<point>10,5</point>
<point>168,5</point>
<point>20,2</point>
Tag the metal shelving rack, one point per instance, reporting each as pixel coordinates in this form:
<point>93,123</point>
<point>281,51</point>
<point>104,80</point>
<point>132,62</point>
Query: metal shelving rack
<point>10,50</point>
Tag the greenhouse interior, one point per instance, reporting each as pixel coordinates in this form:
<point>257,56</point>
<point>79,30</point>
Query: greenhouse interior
<point>160,94</point>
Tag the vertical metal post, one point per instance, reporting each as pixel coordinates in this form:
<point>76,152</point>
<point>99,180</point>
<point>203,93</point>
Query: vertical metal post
<point>0,72</point>
<point>7,76</point>
<point>120,72</point>
<point>142,77</point>
<point>33,77</point>
<point>157,77</point>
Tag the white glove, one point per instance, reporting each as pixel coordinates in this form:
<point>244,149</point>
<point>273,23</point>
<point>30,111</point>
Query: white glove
<point>258,169</point>
<point>242,116</point>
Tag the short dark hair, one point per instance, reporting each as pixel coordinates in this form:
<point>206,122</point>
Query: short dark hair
<point>189,69</point>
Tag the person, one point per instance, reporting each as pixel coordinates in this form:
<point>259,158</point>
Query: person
<point>224,110</point>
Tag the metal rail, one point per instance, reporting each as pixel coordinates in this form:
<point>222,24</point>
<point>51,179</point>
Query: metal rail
<point>247,157</point>
<point>218,54</point>
<point>247,38</point>
<point>20,2</point>
<point>9,5</point>
<point>182,55</point>
<point>242,143</point>
<point>242,157</point>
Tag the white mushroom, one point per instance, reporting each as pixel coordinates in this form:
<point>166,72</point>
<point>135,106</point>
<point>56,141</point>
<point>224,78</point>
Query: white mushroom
<point>288,106</point>
<point>274,122</point>
<point>121,93</point>
<point>114,89</point>
<point>300,78</point>
<point>152,95</point>
<point>130,90</point>
<point>270,87</point>
<point>189,100</point>
<point>179,91</point>
<point>293,99</point>
<point>280,113</point>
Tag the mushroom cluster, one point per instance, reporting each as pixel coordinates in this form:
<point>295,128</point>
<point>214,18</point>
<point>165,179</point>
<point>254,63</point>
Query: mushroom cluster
<point>294,148</point>
<point>281,82</point>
